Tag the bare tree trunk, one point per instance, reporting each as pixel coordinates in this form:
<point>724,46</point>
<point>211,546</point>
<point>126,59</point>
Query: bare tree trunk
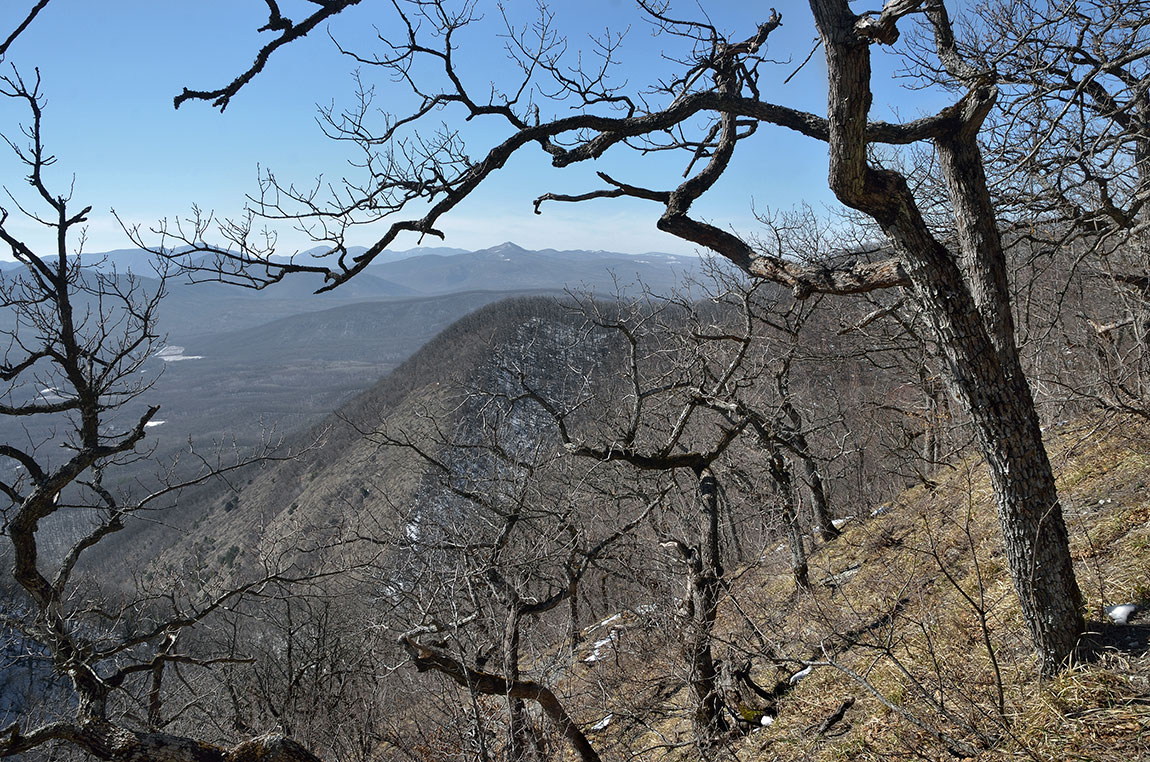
<point>1033,528</point>
<point>521,739</point>
<point>821,521</point>
<point>705,587</point>
<point>781,474</point>
<point>574,632</point>
<point>934,415</point>
<point>972,324</point>
<point>428,657</point>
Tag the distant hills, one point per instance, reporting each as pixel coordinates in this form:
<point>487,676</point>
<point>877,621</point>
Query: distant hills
<point>195,310</point>
<point>284,357</point>
<point>438,270</point>
<point>510,266</point>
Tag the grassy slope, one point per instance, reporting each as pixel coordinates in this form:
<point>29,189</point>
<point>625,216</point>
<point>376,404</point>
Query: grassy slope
<point>891,582</point>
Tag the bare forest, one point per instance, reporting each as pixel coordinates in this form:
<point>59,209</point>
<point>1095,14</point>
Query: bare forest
<point>860,482</point>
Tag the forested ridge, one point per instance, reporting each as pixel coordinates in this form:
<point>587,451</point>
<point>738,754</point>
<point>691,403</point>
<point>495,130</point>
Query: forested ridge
<point>869,482</point>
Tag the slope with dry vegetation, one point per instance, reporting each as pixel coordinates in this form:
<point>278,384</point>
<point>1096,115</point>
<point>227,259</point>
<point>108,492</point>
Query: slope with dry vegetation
<point>910,645</point>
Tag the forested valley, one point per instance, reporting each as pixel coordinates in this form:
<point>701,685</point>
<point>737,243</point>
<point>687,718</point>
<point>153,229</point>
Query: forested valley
<point>868,483</point>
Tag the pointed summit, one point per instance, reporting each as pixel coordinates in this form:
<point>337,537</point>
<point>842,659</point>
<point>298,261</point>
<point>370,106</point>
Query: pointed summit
<point>507,247</point>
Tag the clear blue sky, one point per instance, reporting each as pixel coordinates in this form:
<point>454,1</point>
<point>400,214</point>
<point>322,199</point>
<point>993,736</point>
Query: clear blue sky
<point>111,68</point>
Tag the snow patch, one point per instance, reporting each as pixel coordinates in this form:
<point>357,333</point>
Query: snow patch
<point>1121,613</point>
<point>840,579</point>
<point>154,424</point>
<point>606,621</point>
<point>597,649</point>
<point>173,353</point>
<point>884,508</point>
<point>766,720</point>
<point>603,723</point>
<point>840,523</point>
<point>801,674</point>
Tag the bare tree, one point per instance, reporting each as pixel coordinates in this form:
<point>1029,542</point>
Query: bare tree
<point>1068,150</point>
<point>961,283</point>
<point>685,393</point>
<point>75,340</point>
<point>502,533</point>
<point>1071,139</point>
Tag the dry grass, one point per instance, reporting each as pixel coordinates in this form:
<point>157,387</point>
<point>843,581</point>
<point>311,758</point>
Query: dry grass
<point>915,659</point>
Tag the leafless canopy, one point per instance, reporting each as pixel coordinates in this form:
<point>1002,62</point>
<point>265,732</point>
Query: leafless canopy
<point>75,339</point>
<point>708,108</point>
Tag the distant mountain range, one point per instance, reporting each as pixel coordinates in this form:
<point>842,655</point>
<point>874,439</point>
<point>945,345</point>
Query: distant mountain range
<point>510,266</point>
<point>440,269</point>
<point>239,361</point>
<point>194,310</point>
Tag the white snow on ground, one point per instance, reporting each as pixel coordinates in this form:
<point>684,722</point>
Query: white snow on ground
<point>801,674</point>
<point>597,649</point>
<point>606,621</point>
<point>603,723</point>
<point>842,577</point>
<point>839,523</point>
<point>1121,614</point>
<point>173,353</point>
<point>766,720</point>
<point>880,510</point>
<point>154,424</point>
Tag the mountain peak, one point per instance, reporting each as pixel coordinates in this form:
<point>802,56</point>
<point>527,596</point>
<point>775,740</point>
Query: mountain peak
<point>507,247</point>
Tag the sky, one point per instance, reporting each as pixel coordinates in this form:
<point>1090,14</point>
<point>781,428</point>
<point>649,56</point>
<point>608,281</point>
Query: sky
<point>110,69</point>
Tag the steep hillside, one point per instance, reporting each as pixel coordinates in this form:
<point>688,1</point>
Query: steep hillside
<point>911,644</point>
<point>340,479</point>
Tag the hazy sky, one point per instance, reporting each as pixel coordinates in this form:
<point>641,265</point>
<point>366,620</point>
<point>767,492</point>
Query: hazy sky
<point>110,69</point>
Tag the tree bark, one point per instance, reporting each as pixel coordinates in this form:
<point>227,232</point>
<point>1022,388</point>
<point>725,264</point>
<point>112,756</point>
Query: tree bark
<point>796,441</point>
<point>781,474</point>
<point>705,588</point>
<point>821,520</point>
<point>521,741</point>
<point>931,449</point>
<point>972,325</point>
